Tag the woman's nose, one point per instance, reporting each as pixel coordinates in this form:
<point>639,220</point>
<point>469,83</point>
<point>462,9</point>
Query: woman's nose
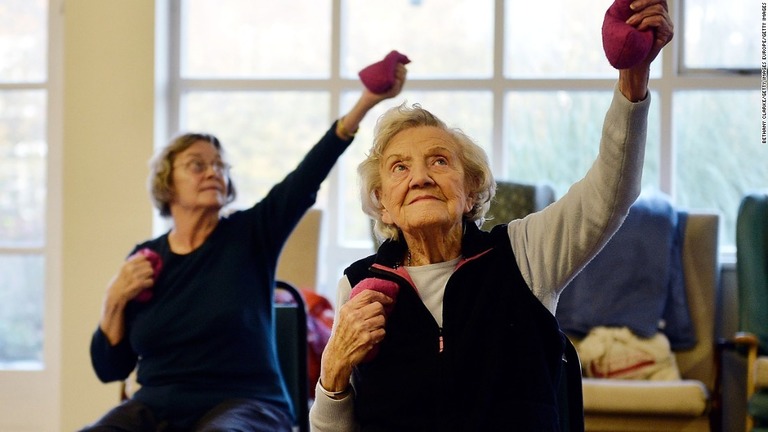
<point>420,176</point>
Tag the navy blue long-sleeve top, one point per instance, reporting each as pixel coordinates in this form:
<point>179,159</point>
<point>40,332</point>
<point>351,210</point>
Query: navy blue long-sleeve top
<point>207,333</point>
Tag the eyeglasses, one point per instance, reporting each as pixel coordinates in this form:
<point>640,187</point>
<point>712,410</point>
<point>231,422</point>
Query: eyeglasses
<point>199,166</point>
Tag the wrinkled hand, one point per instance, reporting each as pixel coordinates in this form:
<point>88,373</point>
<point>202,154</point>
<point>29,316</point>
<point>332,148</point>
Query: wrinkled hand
<point>358,328</point>
<point>135,275</point>
<point>633,82</point>
<point>652,14</point>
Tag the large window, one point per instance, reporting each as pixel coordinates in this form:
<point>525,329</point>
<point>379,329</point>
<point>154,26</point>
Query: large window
<point>28,335</point>
<point>529,81</point>
<point>23,151</point>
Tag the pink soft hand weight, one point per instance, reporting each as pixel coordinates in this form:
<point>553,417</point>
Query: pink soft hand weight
<point>380,76</point>
<point>388,288</point>
<point>157,265</point>
<point>624,45</point>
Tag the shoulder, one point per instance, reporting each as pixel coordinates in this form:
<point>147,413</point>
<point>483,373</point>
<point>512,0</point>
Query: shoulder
<point>359,269</point>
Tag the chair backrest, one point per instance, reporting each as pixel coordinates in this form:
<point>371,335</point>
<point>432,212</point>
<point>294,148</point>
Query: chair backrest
<point>299,258</point>
<point>752,266</point>
<point>515,200</point>
<point>291,338</point>
<point>701,272</point>
<point>570,397</point>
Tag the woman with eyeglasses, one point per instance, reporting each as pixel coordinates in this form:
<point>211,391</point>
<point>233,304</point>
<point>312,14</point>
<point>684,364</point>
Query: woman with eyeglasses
<point>191,309</point>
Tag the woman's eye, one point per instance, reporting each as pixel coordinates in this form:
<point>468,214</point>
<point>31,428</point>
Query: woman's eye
<point>398,167</point>
<point>198,166</point>
<point>441,161</point>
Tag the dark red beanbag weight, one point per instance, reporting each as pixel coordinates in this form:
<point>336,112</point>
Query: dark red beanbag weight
<point>380,76</point>
<point>157,265</point>
<point>624,45</point>
<point>388,288</point>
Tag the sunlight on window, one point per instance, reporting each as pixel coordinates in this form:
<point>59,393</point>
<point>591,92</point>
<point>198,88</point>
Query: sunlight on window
<point>554,137</point>
<point>719,155</point>
<point>256,39</point>
<point>445,39</point>
<point>23,164</point>
<point>721,37</point>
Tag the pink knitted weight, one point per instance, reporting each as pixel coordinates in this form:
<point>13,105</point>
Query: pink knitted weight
<point>388,288</point>
<point>624,45</point>
<point>157,265</point>
<point>380,76</point>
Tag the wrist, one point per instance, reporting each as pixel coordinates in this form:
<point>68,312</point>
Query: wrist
<point>633,83</point>
<point>334,394</point>
<point>344,131</point>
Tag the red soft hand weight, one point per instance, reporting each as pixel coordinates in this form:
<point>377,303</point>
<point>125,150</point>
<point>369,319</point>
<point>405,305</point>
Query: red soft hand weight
<point>388,288</point>
<point>157,265</point>
<point>380,76</point>
<point>624,45</point>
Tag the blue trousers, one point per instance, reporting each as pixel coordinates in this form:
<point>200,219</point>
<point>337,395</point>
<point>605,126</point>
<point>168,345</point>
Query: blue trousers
<point>243,415</point>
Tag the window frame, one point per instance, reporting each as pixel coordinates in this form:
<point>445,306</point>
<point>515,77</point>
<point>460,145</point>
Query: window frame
<point>41,385</point>
<point>672,78</point>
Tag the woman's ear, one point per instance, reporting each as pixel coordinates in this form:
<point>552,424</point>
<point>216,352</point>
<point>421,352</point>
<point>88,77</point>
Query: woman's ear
<point>385,217</point>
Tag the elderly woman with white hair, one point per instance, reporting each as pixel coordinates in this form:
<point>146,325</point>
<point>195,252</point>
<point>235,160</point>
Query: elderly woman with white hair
<point>450,328</point>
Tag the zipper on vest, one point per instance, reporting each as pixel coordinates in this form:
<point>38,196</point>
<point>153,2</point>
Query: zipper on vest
<point>440,337</point>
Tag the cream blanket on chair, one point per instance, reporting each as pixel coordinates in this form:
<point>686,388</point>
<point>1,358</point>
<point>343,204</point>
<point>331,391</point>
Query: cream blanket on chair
<point>615,352</point>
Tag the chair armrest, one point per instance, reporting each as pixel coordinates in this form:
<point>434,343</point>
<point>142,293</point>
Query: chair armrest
<point>738,343</point>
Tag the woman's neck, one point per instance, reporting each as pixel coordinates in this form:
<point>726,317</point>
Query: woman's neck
<point>190,231</point>
<point>426,247</point>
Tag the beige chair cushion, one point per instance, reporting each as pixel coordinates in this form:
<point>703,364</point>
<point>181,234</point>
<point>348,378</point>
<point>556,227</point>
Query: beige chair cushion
<point>680,398</point>
<point>761,372</point>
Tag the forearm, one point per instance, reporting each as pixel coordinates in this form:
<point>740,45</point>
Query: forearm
<point>633,83</point>
<point>335,376</point>
<point>364,104</point>
<point>327,413</point>
<point>112,322</point>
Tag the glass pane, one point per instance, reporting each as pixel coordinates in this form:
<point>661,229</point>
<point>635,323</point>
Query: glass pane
<point>21,311</point>
<point>720,36</point>
<point>563,46</point>
<point>23,151</point>
<point>444,39</point>
<point>265,134</point>
<point>719,154</point>
<point>255,39</point>
<point>554,137</point>
<point>469,111</point>
<point>23,40</point>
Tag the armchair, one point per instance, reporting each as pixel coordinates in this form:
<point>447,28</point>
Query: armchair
<point>752,273</point>
<point>678,405</point>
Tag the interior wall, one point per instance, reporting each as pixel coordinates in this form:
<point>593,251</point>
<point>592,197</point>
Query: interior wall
<point>108,108</point>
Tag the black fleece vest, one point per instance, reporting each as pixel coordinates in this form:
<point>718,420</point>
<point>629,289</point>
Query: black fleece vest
<point>494,366</point>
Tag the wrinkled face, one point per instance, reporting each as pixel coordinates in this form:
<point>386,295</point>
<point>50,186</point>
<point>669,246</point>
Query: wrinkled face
<point>199,178</point>
<point>423,185</point>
